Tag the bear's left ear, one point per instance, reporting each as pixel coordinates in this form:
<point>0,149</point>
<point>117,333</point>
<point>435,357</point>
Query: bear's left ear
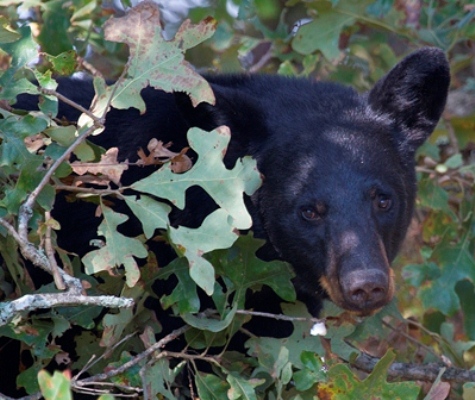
<point>413,94</point>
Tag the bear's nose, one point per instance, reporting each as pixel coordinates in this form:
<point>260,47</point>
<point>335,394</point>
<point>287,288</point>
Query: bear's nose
<point>365,290</point>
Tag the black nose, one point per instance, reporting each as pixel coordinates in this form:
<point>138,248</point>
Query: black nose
<point>365,290</point>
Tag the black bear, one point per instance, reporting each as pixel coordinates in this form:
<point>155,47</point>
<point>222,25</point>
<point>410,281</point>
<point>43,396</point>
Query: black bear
<point>338,167</point>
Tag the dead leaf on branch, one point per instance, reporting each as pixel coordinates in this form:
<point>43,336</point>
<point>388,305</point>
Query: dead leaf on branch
<point>35,142</point>
<point>109,168</point>
<point>159,153</point>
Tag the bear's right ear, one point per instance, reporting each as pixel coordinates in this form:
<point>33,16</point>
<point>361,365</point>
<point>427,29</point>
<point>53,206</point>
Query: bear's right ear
<point>413,94</point>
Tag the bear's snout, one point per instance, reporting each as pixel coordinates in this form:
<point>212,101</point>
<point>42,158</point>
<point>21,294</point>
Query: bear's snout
<point>366,290</point>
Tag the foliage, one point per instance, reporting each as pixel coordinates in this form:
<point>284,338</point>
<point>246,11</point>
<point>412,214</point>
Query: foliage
<point>349,41</point>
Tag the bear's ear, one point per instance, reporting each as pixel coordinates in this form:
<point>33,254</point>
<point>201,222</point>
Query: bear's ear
<point>413,94</point>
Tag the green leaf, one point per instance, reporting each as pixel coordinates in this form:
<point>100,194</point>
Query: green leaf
<point>28,378</point>
<point>322,34</point>
<point>275,367</point>
<point>56,24</point>
<point>184,295</point>
<point>456,263</point>
<point>203,339</point>
<point>454,161</point>
<point>374,325</point>
<point>114,326</point>
<point>297,343</point>
<point>56,387</point>
<point>338,335</point>
<point>417,274</point>
<point>214,233</point>
<point>209,324</point>
<point>211,387</point>
<point>452,346</point>
<point>7,34</point>
<point>64,63</point>
<point>433,196</point>
<point>90,347</point>
<point>152,214</point>
<point>313,372</point>
<point>466,293</point>
<point>22,52</point>
<point>440,295</point>
<point>118,250</point>
<point>242,267</point>
<point>226,187</point>
<point>158,379</point>
<point>63,135</point>
<point>242,388</point>
<point>469,391</point>
<point>131,376</point>
<point>48,104</point>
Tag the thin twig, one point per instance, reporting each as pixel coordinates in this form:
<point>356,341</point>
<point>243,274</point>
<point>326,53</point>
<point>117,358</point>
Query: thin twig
<point>38,258</point>
<point>262,61</point>
<point>35,396</point>
<point>64,99</point>
<point>452,137</point>
<point>187,356</point>
<point>10,229</point>
<point>99,192</point>
<point>124,367</point>
<point>58,280</point>
<point>89,67</point>
<point>411,339</point>
<point>279,316</point>
<point>94,360</point>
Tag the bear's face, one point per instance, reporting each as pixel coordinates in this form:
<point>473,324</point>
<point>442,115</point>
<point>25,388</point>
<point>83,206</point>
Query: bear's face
<point>338,211</point>
<point>338,167</point>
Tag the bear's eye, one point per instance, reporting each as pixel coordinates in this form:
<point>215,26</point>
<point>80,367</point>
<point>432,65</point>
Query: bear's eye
<point>382,202</point>
<point>310,213</point>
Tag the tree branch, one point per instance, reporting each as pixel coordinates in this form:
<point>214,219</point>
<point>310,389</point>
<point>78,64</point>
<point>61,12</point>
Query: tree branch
<point>416,372</point>
<point>26,209</point>
<point>31,302</point>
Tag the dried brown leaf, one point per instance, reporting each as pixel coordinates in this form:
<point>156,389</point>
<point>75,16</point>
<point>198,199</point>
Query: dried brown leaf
<point>109,167</point>
<point>159,153</point>
<point>34,143</point>
<point>438,391</point>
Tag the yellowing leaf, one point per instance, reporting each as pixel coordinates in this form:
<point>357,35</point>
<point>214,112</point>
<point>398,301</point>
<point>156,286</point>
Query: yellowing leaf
<point>56,387</point>
<point>344,385</point>
<point>153,60</point>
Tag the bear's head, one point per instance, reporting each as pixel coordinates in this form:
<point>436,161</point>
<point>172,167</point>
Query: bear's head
<point>339,171</point>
